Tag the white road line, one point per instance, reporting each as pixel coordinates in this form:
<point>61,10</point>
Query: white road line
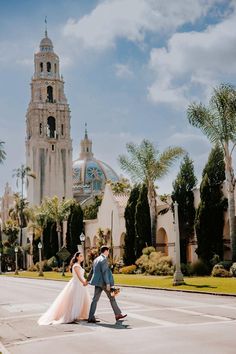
<point>150,319</point>
<point>96,328</point>
<point>201,314</point>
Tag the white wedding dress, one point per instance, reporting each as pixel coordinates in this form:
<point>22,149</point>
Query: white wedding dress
<point>71,304</point>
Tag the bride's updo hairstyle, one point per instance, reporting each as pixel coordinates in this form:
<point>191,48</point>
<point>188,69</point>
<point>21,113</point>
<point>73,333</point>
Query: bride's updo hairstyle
<point>74,260</point>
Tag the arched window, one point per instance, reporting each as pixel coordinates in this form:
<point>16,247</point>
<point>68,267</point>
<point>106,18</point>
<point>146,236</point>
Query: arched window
<point>62,129</point>
<point>51,127</point>
<point>41,67</point>
<point>48,67</point>
<point>55,68</point>
<point>50,94</point>
<point>40,128</point>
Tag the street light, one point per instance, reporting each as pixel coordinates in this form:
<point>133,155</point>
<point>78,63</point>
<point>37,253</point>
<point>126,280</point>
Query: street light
<point>0,263</point>
<point>16,254</point>
<point>178,276</point>
<point>82,239</point>
<point>40,259</point>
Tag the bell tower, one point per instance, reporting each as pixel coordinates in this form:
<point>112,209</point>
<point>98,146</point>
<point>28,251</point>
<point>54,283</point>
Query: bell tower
<point>48,141</point>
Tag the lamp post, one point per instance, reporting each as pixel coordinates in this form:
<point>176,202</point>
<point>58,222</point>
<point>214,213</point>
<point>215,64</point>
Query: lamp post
<point>40,259</point>
<point>82,239</point>
<point>0,262</point>
<point>178,276</point>
<point>16,255</point>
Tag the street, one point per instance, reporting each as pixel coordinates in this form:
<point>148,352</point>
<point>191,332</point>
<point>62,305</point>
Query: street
<point>157,322</point>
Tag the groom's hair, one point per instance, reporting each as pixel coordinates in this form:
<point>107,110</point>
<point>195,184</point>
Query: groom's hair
<point>103,249</point>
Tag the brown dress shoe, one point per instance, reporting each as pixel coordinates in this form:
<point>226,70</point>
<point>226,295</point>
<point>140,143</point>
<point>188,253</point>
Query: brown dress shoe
<point>120,316</point>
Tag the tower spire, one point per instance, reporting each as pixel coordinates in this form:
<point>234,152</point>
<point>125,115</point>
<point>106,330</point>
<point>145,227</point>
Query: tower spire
<point>86,132</point>
<point>46,26</point>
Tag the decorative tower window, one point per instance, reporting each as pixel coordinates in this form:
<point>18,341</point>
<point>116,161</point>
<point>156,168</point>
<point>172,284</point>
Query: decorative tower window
<point>40,128</point>
<point>48,67</point>
<point>55,68</point>
<point>62,129</point>
<point>41,67</point>
<point>51,128</point>
<point>49,94</point>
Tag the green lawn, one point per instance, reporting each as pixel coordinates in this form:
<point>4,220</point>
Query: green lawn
<point>206,284</point>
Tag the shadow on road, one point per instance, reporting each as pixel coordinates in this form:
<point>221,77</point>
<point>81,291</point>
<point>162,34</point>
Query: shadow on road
<point>117,325</point>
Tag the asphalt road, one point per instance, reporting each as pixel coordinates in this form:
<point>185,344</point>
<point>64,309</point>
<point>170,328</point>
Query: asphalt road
<point>157,322</point>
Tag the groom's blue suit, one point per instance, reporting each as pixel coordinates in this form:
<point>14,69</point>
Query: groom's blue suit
<point>101,277</point>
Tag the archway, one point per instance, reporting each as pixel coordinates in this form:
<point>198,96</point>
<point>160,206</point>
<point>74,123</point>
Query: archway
<point>51,127</point>
<point>162,241</point>
<point>50,94</point>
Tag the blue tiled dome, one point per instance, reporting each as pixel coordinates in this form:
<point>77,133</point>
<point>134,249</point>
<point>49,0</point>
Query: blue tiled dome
<point>90,174</point>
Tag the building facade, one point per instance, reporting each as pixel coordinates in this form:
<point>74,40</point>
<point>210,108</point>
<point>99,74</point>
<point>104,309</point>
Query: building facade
<point>48,141</point>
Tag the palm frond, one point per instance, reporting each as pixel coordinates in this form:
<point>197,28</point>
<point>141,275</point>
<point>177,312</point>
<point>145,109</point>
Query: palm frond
<point>166,160</point>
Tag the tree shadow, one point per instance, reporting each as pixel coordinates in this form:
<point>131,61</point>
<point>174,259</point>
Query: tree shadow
<point>201,286</point>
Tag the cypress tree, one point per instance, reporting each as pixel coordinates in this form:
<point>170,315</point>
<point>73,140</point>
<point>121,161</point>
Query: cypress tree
<point>74,228</point>
<point>142,222</point>
<point>209,221</point>
<point>183,194</point>
<point>129,241</point>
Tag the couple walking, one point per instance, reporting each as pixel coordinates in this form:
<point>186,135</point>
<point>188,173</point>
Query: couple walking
<point>73,303</point>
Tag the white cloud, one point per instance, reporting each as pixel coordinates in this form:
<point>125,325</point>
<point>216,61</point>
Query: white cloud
<point>193,61</point>
<point>131,19</point>
<point>123,71</point>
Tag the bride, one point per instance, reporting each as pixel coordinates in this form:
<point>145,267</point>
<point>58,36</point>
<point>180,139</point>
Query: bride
<point>73,302</point>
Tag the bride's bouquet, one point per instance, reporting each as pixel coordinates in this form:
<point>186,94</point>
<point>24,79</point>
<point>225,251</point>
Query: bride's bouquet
<point>114,291</point>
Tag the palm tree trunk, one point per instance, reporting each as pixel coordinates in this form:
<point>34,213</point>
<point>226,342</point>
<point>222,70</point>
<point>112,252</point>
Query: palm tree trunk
<point>230,182</point>
<point>59,235</point>
<point>153,211</point>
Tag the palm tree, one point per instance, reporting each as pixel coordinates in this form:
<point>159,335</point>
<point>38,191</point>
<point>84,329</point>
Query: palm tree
<point>145,164</point>
<point>218,122</point>
<point>2,152</point>
<point>22,173</point>
<point>57,211</point>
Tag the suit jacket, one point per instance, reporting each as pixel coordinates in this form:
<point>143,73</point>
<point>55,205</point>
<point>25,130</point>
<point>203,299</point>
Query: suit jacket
<point>100,274</point>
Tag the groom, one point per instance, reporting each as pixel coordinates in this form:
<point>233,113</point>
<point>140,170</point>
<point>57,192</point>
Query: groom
<point>101,277</point>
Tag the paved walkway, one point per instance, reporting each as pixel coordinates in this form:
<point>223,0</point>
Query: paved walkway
<point>157,322</point>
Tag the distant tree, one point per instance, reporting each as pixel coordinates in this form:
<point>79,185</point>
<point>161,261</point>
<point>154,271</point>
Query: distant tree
<point>2,152</point>
<point>209,220</point>
<point>130,236</point>
<point>142,222</point>
<point>74,228</point>
<point>218,122</point>
<point>90,211</point>
<point>121,187</point>
<point>183,194</point>
<point>145,164</point>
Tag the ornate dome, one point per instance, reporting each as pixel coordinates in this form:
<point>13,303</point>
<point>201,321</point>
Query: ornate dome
<point>46,44</point>
<point>90,174</point>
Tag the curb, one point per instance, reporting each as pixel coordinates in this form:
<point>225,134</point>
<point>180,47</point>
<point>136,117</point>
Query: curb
<point>176,290</point>
<point>142,287</point>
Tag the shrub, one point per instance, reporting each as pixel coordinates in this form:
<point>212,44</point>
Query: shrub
<point>32,268</point>
<point>226,264</point>
<point>52,262</point>
<point>199,268</point>
<point>155,263</point>
<point>45,266</point>
<point>233,270</point>
<point>186,269</point>
<point>148,250</point>
<point>219,271</point>
<point>128,270</point>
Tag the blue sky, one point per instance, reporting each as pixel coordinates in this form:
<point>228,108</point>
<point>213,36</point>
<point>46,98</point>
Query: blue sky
<point>131,67</point>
